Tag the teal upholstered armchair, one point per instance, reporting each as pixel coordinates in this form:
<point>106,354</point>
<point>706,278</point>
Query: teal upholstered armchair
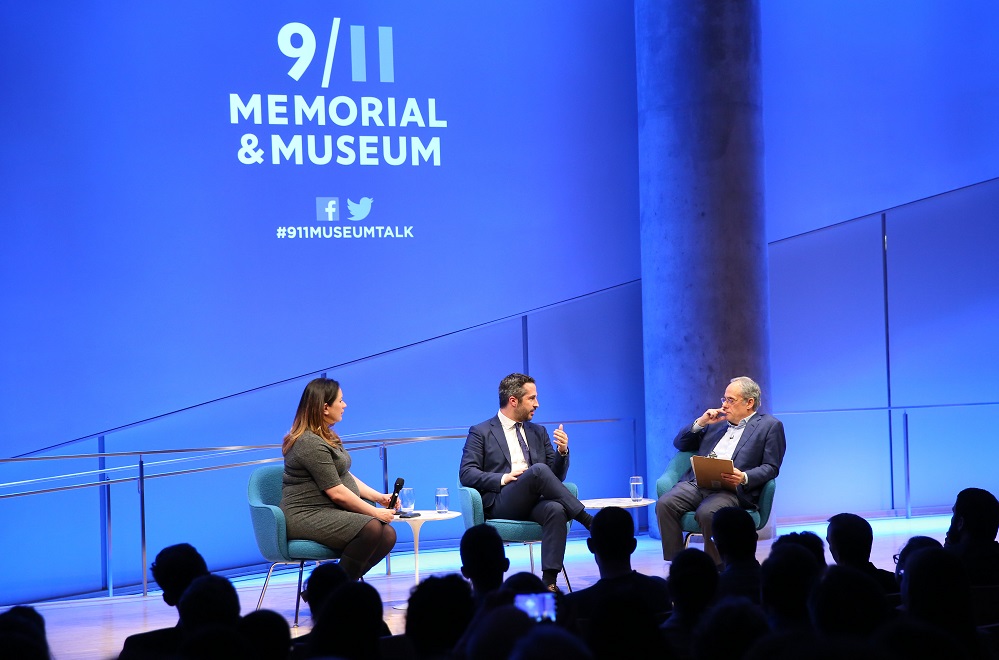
<point>264,497</point>
<point>511,531</point>
<point>679,464</point>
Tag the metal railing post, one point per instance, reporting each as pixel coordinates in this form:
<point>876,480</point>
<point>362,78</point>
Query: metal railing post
<point>383,455</point>
<point>142,523</point>
<point>105,499</point>
<point>905,462</point>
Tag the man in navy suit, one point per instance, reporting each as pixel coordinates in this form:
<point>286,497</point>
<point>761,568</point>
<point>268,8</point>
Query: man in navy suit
<point>754,441</point>
<point>513,465</point>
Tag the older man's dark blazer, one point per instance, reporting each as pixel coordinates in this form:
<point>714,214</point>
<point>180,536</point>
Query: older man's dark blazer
<point>486,457</point>
<point>759,453</point>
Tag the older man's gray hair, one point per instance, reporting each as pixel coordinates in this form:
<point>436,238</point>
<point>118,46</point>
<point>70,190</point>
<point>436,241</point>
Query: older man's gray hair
<point>749,389</point>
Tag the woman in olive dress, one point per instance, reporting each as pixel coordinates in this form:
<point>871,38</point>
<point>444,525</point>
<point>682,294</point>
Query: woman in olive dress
<point>322,501</point>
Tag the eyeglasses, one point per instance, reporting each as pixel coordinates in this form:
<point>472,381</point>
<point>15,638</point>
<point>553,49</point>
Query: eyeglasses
<point>729,400</point>
<point>895,557</point>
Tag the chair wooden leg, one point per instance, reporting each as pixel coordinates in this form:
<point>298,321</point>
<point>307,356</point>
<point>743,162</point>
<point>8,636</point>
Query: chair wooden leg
<point>260,600</point>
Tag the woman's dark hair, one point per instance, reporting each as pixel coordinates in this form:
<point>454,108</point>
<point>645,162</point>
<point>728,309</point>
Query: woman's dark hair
<point>309,416</point>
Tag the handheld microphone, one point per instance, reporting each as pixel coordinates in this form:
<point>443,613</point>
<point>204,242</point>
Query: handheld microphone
<point>395,492</point>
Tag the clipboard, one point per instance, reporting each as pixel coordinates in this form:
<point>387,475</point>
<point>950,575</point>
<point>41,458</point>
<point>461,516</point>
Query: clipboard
<point>707,472</point>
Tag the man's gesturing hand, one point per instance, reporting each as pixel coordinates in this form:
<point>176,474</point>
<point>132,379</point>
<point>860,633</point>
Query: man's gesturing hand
<point>561,440</point>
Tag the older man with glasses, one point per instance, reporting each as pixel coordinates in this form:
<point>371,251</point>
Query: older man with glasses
<point>752,440</point>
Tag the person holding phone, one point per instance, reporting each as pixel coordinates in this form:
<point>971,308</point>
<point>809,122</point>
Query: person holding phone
<point>752,440</point>
<point>322,501</point>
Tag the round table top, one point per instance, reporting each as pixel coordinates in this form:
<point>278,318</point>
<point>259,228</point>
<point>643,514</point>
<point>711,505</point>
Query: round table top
<point>620,502</point>
<point>429,514</point>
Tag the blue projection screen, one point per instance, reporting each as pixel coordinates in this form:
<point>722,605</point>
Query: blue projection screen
<point>201,198</point>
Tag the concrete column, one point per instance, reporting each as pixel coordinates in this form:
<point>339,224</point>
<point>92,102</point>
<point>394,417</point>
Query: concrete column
<point>704,259</point>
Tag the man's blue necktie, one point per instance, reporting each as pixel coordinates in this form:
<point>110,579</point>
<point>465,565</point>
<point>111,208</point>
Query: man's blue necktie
<point>523,443</point>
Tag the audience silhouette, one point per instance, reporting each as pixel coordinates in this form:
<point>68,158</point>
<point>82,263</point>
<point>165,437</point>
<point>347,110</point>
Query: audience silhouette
<point>847,603</point>
<point>612,542</point>
<point>693,581</point>
<point>621,629</point>
<point>850,540</point>
<point>213,642</point>
<point>323,581</point>
<point>209,617</point>
<point>518,583</point>
<point>910,547</point>
<point>483,559</point>
<point>804,609</point>
<point>174,569</point>
<point>22,634</point>
<point>524,583</point>
<point>267,634</point>
<point>729,629</point>
<point>905,638</point>
<point>735,538</point>
<point>795,645</point>
<point>808,540</point>
<point>972,535</point>
<point>349,625</point>
<point>936,592</point>
<point>440,609</point>
<point>548,642</point>
<point>786,579</point>
<point>495,635</point>
<point>209,600</point>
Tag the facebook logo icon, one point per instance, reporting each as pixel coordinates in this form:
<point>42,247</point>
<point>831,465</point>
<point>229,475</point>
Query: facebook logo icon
<point>328,209</point>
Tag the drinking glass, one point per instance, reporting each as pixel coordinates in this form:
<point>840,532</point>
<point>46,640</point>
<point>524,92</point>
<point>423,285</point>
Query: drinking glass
<point>637,488</point>
<point>441,500</point>
<point>407,500</point>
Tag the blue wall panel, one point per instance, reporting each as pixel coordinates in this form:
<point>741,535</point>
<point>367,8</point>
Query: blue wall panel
<point>52,543</point>
<point>829,349</point>
<point>54,547</point>
<point>867,106</point>
<point>207,510</point>
<point>827,334</point>
<point>835,462</point>
<point>943,458</point>
<point>944,298</point>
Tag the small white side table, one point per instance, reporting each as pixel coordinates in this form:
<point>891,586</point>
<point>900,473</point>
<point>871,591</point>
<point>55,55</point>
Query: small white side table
<point>415,524</point>
<point>620,502</point>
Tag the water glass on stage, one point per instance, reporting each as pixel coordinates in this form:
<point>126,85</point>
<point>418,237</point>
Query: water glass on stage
<point>407,500</point>
<point>637,489</point>
<point>441,500</point>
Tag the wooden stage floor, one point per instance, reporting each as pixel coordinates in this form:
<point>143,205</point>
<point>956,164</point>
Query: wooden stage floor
<point>96,627</point>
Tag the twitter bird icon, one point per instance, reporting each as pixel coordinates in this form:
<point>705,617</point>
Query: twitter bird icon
<point>359,210</point>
